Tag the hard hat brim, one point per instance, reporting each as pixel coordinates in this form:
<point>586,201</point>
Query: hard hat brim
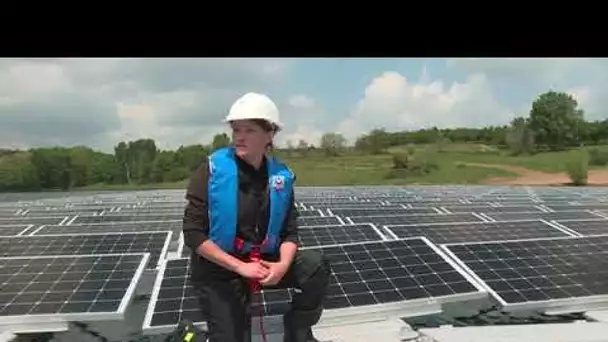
<point>278,125</point>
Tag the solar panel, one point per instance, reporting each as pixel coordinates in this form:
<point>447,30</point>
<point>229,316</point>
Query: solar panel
<point>515,209</point>
<point>338,234</point>
<point>172,299</point>
<point>109,227</point>
<point>45,289</point>
<point>415,219</point>
<point>364,205</point>
<point>383,275</point>
<point>478,231</point>
<point>381,211</point>
<point>33,220</point>
<point>368,273</point>
<point>490,209</point>
<point>9,211</point>
<point>155,243</point>
<point>60,212</point>
<point>147,210</point>
<point>417,203</point>
<point>466,208</point>
<point>555,215</point>
<point>585,227</point>
<point>125,218</point>
<point>14,229</point>
<point>311,236</point>
<point>324,201</point>
<point>55,211</point>
<point>319,221</point>
<point>579,207</point>
<point>552,273</point>
<point>183,251</point>
<point>309,213</point>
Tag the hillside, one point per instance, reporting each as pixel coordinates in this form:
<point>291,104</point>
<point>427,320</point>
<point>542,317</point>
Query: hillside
<point>554,145</point>
<point>456,164</point>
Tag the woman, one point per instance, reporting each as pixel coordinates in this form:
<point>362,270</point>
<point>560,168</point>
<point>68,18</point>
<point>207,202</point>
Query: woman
<point>240,200</point>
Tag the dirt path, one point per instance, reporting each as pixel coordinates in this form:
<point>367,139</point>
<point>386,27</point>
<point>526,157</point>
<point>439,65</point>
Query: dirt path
<point>534,177</point>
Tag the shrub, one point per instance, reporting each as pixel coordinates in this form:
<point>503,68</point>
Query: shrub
<point>598,157</point>
<point>411,149</point>
<point>400,161</point>
<point>405,165</point>
<point>578,168</point>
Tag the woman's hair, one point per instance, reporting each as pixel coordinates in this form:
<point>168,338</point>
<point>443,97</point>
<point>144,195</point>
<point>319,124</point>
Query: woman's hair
<point>267,127</point>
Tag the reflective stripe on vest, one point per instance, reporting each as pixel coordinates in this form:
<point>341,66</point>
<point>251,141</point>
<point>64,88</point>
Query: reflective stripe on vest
<point>222,199</point>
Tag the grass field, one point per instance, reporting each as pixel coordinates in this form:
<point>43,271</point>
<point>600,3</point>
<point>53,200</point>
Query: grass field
<point>359,169</point>
<point>476,153</point>
<point>372,170</point>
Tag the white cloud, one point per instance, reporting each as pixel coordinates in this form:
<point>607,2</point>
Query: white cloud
<point>393,103</point>
<point>587,78</point>
<point>592,101</point>
<point>36,79</point>
<point>151,116</point>
<point>311,135</point>
<point>99,102</point>
<point>582,95</point>
<point>301,101</point>
<point>302,117</point>
<point>545,71</point>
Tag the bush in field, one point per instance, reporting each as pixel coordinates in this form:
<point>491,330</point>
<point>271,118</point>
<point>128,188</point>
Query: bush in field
<point>578,168</point>
<point>598,157</point>
<point>520,138</point>
<point>405,164</point>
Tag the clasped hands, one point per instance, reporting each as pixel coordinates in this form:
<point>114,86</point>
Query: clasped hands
<point>266,272</point>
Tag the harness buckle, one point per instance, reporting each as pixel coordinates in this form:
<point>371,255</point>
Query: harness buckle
<point>239,244</point>
<point>254,255</point>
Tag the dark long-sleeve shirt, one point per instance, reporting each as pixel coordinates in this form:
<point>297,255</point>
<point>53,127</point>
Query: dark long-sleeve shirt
<point>253,213</point>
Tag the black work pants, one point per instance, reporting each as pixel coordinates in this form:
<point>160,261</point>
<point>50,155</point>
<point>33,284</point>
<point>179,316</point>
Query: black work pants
<point>225,304</point>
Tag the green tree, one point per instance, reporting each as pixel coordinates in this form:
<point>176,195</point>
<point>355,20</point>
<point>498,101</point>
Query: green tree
<point>520,137</point>
<point>333,143</point>
<point>54,167</point>
<point>303,148</point>
<point>136,158</point>
<point>121,153</point>
<point>556,120</point>
<point>375,142</point>
<point>191,156</point>
<point>17,172</point>
<point>220,140</point>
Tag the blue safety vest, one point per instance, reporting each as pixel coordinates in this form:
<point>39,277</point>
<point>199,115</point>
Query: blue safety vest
<point>223,190</point>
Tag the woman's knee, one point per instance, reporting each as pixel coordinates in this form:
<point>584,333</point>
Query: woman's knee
<point>318,266</point>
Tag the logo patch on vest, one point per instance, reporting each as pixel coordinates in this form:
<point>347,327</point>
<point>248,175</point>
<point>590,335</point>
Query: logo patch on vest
<point>278,182</point>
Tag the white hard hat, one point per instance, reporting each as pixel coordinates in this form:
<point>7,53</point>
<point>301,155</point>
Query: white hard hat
<point>254,106</point>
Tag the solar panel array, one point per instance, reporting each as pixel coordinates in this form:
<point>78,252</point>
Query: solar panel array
<point>83,244</point>
<point>54,270</point>
<point>71,287</point>
<point>550,273</point>
<point>391,248</point>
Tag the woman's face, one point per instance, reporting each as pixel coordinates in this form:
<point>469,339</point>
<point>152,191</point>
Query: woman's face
<point>249,139</point>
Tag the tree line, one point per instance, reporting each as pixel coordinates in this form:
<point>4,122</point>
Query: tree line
<point>555,122</point>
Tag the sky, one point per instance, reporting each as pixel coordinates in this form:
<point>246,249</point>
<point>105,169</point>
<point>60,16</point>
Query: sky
<point>179,101</point>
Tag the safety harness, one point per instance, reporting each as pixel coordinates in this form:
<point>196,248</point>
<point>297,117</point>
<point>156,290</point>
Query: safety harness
<point>255,255</point>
